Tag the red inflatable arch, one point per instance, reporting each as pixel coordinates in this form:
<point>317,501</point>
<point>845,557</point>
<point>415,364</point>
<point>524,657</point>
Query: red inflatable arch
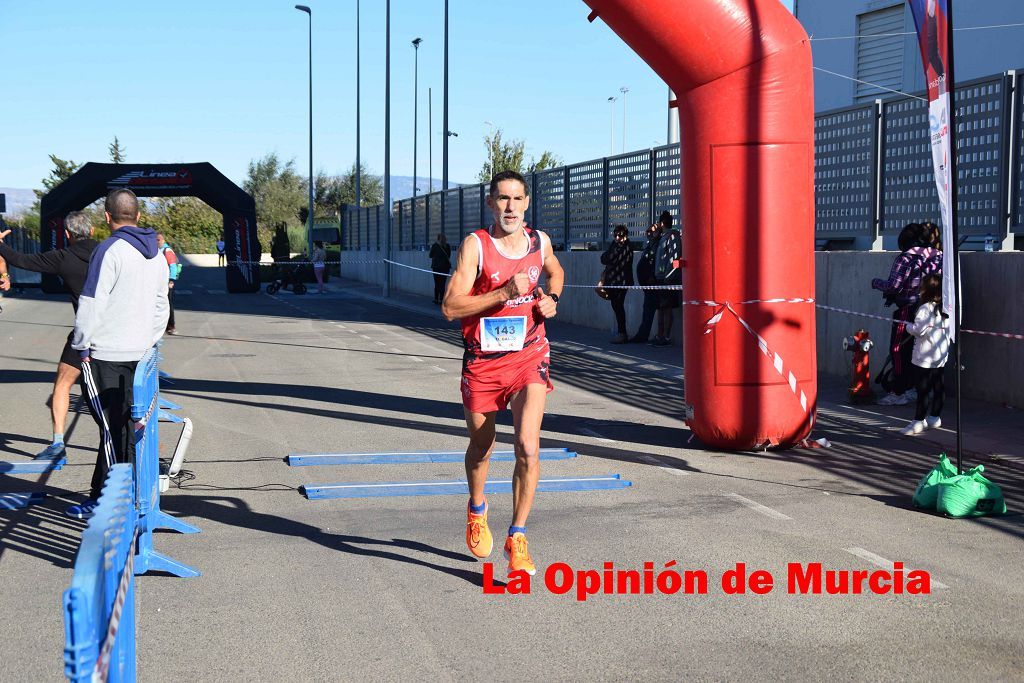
<point>741,70</point>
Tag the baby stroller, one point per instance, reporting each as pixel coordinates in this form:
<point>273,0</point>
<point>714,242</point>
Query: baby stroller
<point>287,275</point>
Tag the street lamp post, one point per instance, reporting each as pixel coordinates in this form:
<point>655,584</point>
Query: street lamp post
<point>359,168</point>
<point>309,218</point>
<point>623,90</point>
<point>447,133</point>
<point>387,147</point>
<point>430,141</point>
<point>415,116</point>
<point>611,125</point>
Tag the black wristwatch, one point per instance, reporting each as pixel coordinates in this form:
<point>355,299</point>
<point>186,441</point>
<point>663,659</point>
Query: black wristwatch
<point>554,297</point>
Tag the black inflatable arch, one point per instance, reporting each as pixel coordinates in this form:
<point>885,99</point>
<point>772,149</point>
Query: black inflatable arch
<point>201,180</point>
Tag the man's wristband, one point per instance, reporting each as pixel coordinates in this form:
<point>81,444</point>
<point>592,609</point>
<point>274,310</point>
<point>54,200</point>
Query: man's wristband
<point>554,297</point>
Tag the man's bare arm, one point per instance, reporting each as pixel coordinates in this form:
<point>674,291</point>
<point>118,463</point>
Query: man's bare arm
<point>459,303</point>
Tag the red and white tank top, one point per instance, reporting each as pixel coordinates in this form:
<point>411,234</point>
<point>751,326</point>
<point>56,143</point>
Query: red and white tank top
<point>485,337</point>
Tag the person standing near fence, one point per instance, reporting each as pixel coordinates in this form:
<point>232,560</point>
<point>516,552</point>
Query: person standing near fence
<point>930,329</point>
<point>318,258</point>
<point>173,271</point>
<point>441,264</point>
<point>70,264</point>
<point>645,278</point>
<point>618,272</point>
<point>495,293</point>
<point>122,312</point>
<point>221,259</point>
<point>902,290</point>
<point>666,273</point>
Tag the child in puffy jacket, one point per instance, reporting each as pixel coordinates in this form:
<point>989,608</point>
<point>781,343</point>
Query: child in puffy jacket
<point>930,330</point>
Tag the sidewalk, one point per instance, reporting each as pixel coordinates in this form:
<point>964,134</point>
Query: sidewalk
<point>992,432</point>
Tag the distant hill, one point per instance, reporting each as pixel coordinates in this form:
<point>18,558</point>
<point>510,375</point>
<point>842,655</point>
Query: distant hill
<point>19,200</point>
<point>401,186</point>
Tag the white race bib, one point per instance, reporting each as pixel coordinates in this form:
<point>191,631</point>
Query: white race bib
<point>506,333</point>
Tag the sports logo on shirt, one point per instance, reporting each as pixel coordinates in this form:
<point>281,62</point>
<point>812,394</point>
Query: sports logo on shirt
<point>496,277</point>
<point>534,273</point>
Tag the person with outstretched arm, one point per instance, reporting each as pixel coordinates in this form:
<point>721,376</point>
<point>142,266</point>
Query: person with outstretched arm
<point>70,265</point>
<point>122,313</point>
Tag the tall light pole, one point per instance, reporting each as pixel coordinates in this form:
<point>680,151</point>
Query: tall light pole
<point>623,90</point>
<point>611,125</point>
<point>490,150</point>
<point>415,115</point>
<point>309,218</point>
<point>430,140</point>
<point>359,168</point>
<point>447,133</point>
<point>387,147</point>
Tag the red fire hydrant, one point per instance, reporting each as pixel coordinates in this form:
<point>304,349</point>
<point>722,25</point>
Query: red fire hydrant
<point>860,383</point>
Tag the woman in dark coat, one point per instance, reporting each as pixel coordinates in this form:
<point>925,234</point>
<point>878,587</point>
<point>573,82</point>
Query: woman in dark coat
<point>618,262</point>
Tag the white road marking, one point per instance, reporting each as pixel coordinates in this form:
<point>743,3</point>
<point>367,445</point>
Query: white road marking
<point>757,507</point>
<point>880,561</point>
<point>394,350</point>
<point>591,432</point>
<point>380,343</point>
<point>416,358</point>
<point>184,292</point>
<point>438,369</point>
<point>217,291</point>
<point>662,466</point>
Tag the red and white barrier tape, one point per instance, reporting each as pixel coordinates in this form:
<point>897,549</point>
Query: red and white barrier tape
<point>102,670</point>
<point>1003,335</point>
<point>767,352</point>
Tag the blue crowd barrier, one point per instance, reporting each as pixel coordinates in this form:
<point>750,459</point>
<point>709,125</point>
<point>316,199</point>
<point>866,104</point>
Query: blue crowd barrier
<point>99,608</point>
<point>146,412</point>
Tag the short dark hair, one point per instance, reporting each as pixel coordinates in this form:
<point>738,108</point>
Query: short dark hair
<point>507,175</point>
<point>910,236</point>
<point>122,205</point>
<point>665,219</point>
<point>620,228</point>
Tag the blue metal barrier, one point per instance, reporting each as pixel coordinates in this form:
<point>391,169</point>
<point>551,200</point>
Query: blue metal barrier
<point>99,608</point>
<point>146,411</point>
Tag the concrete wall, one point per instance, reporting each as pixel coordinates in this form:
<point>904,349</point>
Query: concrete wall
<point>978,53</point>
<point>992,285</point>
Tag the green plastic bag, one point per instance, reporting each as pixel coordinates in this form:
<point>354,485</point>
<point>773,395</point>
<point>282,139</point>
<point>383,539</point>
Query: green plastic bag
<point>970,495</point>
<point>927,493</point>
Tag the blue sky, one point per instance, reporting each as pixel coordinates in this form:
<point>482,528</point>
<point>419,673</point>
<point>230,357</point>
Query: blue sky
<point>226,82</point>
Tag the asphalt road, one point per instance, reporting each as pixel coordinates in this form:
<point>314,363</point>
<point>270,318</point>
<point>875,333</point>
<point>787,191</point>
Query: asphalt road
<point>384,588</point>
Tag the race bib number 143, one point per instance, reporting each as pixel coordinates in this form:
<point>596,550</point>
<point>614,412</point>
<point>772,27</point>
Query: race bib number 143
<point>502,334</point>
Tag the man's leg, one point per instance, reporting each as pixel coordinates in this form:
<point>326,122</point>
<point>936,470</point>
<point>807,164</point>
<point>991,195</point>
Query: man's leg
<point>527,415</point>
<point>60,401</point>
<point>478,458</point>
<point>113,385</point>
<point>170,305</point>
<point>478,453</point>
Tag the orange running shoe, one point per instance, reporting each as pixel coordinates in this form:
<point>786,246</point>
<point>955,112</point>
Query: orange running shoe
<point>517,555</point>
<point>478,536</point>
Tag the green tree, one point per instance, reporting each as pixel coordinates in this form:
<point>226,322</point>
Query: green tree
<point>278,191</point>
<point>116,151</point>
<point>547,160</point>
<point>188,223</point>
<point>61,171</point>
<point>509,155</point>
<point>371,187</point>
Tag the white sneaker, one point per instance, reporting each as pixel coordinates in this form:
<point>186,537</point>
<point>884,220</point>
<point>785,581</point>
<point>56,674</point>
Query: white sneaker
<point>887,400</point>
<point>933,422</point>
<point>911,395</point>
<point>901,399</point>
<point>914,428</point>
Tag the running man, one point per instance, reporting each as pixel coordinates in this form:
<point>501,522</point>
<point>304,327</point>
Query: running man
<point>494,292</point>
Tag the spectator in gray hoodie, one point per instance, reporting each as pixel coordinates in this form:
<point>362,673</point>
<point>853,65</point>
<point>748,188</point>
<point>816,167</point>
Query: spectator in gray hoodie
<point>122,312</point>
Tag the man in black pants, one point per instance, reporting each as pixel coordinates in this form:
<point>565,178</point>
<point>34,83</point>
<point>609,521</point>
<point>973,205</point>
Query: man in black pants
<point>645,277</point>
<point>122,312</point>
<point>441,263</point>
<point>70,265</point>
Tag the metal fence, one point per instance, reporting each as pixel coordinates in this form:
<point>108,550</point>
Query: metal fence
<point>872,175</point>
